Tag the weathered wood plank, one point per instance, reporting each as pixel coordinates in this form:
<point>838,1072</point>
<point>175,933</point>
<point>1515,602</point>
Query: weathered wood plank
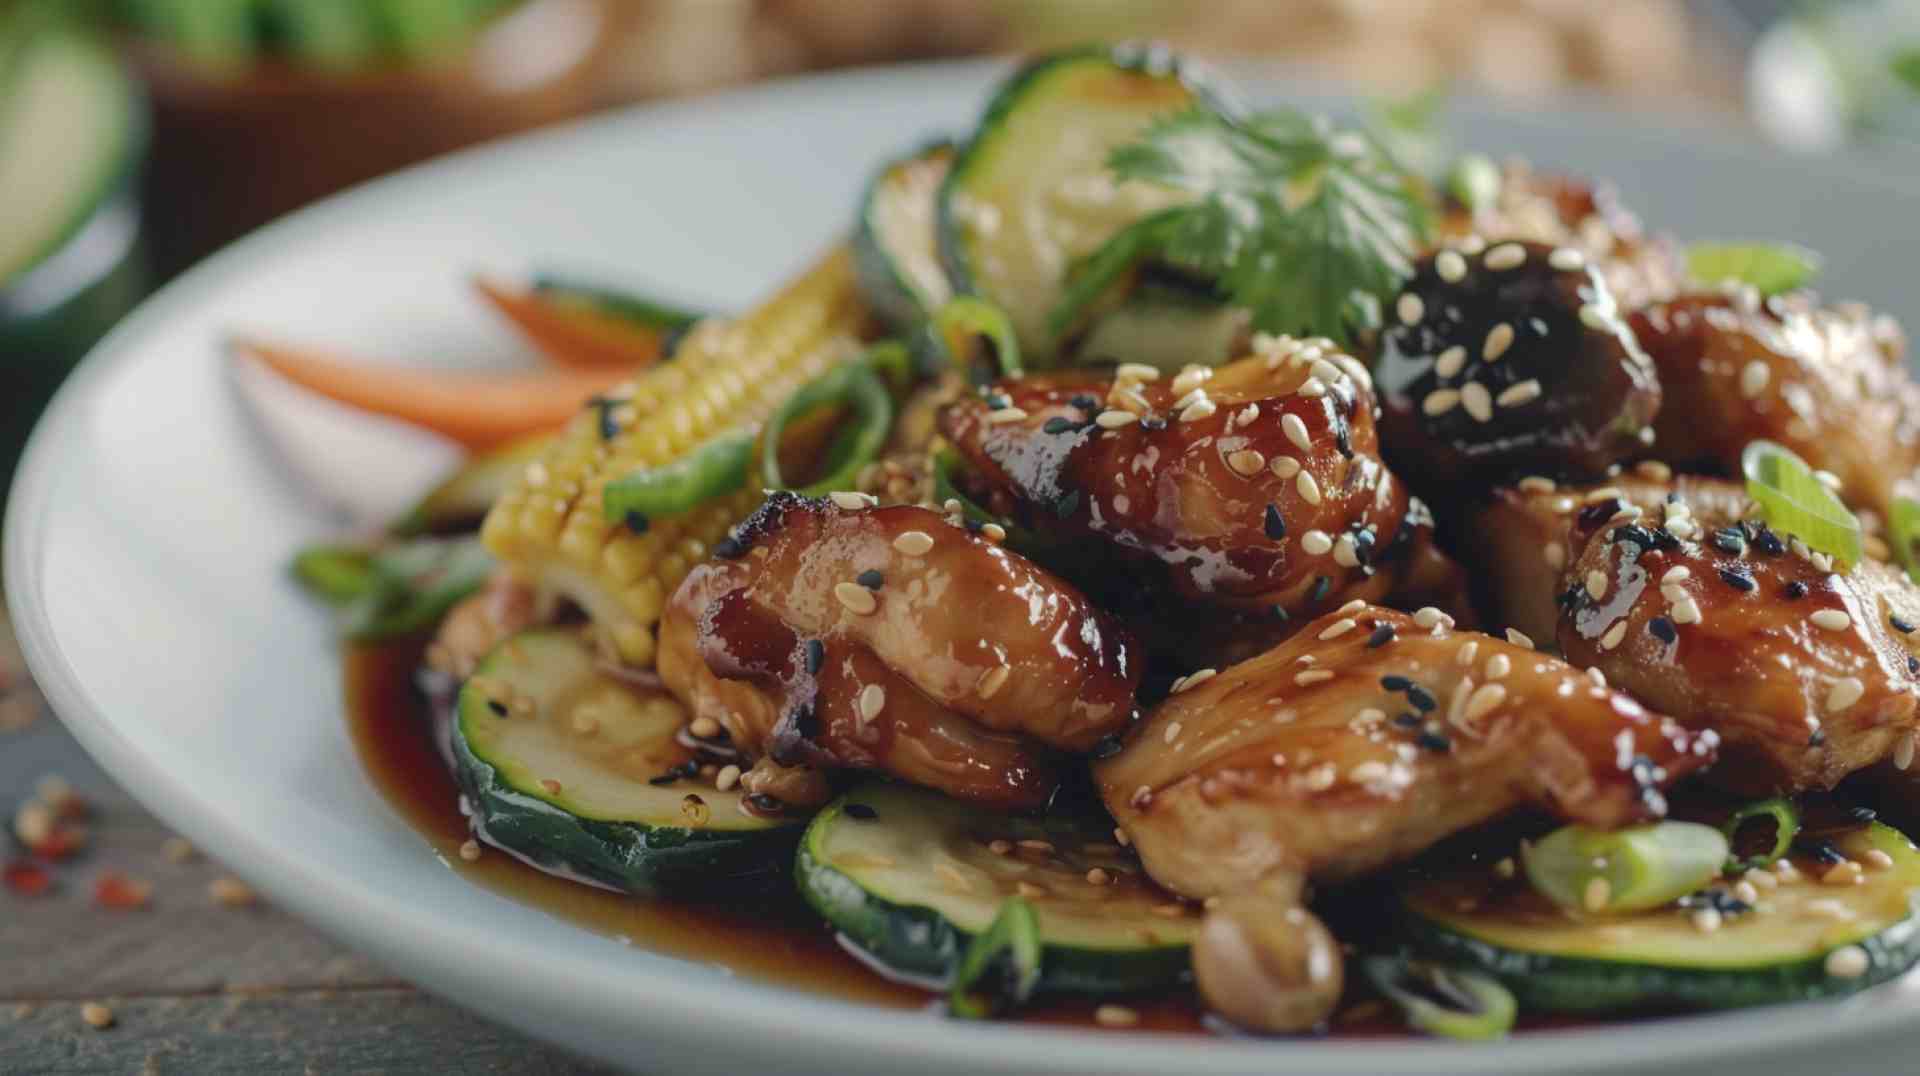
<point>356,1031</point>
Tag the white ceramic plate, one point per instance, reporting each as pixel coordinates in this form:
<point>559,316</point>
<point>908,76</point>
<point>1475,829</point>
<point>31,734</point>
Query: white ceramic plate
<point>148,536</point>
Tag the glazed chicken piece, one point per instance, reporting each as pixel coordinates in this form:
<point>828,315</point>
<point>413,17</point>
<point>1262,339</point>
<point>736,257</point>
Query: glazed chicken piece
<point>1831,384</point>
<point>1225,503</point>
<point>1364,739</point>
<point>1807,671</point>
<point>831,634</point>
<point>1510,361</point>
<point>1567,211</point>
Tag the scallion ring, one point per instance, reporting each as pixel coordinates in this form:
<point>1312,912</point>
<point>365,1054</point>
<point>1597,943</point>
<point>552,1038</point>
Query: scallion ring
<point>1786,826</point>
<point>856,444</point>
<point>1624,870</point>
<point>335,574</point>
<point>1001,968</point>
<point>1439,1000</point>
<point>967,316</point>
<point>1771,268</point>
<point>714,469</point>
<point>1795,502</point>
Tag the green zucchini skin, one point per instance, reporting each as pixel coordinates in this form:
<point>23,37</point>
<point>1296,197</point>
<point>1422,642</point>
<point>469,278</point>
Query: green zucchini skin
<point>886,284</point>
<point>918,941</point>
<point>1545,980</point>
<point>648,857</point>
<point>967,275</point>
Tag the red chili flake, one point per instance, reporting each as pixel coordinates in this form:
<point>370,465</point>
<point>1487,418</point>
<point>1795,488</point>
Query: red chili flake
<point>64,841</point>
<point>116,890</point>
<point>26,878</point>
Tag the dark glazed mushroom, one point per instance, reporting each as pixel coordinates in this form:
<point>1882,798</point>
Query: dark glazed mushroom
<point>1508,361</point>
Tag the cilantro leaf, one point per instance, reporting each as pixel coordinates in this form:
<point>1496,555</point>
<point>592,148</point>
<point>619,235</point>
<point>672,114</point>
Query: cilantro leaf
<point>1306,227</point>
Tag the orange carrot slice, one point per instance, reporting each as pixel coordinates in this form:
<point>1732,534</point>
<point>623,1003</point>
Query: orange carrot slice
<point>479,410</point>
<point>573,335</point>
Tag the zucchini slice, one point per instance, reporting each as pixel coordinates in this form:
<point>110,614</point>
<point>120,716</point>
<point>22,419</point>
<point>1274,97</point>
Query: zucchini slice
<point>574,772</point>
<point>909,877</point>
<point>895,251</point>
<point>1031,194</point>
<point>461,501</point>
<point>1801,940</point>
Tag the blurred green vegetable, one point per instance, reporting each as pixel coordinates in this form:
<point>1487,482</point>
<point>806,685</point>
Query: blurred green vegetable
<point>336,34</point>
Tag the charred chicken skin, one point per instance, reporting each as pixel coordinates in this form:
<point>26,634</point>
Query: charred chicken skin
<point>1247,496</point>
<point>830,636</point>
<point>1830,384</point>
<point>1364,739</point>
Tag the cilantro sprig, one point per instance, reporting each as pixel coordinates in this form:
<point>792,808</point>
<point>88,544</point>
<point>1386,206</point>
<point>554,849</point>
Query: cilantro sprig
<point>1307,227</point>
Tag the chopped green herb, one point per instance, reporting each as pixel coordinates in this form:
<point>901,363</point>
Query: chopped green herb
<point>1771,267</point>
<point>1797,503</point>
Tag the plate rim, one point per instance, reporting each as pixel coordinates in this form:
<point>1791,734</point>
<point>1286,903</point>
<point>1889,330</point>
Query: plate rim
<point>443,959</point>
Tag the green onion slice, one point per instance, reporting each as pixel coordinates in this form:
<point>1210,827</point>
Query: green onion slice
<point>945,463</point>
<point>414,583</point>
<point>1794,501</point>
<point>1624,870</point>
<point>966,316</point>
<point>1001,967</point>
<point>856,443</point>
<point>1475,182</point>
<point>1771,267</point>
<point>1444,1001</point>
<point>1786,825</point>
<point>333,573</point>
<point>1904,523</point>
<point>715,469</point>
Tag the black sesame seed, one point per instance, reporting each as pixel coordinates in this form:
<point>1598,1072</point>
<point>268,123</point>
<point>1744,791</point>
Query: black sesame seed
<point>1279,613</point>
<point>1343,439</point>
<point>1106,747</point>
<point>1084,402</point>
<point>1320,588</point>
<point>1720,900</point>
<point>664,779</point>
<point>1056,424</point>
<point>1153,422</point>
<point>860,811</point>
<point>1862,815</point>
<point>1796,590</point>
<point>1570,597</point>
<point>1597,513</point>
<point>974,526</point>
<point>1393,682</point>
<point>1421,699</point>
<point>637,522</point>
<point>1900,624</point>
<point>729,548</point>
<point>1819,737</point>
<point>765,804</point>
<point>1276,523</point>
<point>998,402</point>
<point>1433,741</point>
<point>1663,629</point>
<point>499,708</point>
<point>806,723</point>
<point>1824,851</point>
<point>1913,665</point>
<point>1738,580</point>
<point>816,656</point>
<point>688,768</point>
<point>1769,543</point>
<point>1381,636</point>
<point>1727,540</point>
<point>1408,720</point>
<point>1067,504</point>
<point>871,579</point>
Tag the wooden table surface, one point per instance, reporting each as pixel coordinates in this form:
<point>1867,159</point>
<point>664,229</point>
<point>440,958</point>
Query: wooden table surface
<point>195,986</point>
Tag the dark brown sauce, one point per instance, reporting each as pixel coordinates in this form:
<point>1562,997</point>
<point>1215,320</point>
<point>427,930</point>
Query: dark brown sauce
<point>780,942</point>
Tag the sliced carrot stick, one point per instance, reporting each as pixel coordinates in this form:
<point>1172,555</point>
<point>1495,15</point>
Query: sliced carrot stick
<point>572,335</point>
<point>479,410</point>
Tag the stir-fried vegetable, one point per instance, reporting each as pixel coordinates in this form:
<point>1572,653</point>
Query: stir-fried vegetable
<point>715,469</point>
<point>578,334</point>
<point>965,317</point>
<point>1001,967</point>
<point>856,387</point>
<point>1624,870</point>
<point>397,589</point>
<point>1795,501</point>
<point>1771,267</point>
<point>1786,825</point>
<point>1903,526</point>
<point>1448,1002</point>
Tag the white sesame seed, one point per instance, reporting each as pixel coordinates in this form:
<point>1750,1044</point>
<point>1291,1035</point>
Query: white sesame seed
<point>728,778</point>
<point>1285,466</point>
<point>1141,797</point>
<point>1485,699</point>
<point>1354,606</point>
<point>1519,392</point>
<point>1199,409</point>
<point>1410,308</point>
<point>1519,638</point>
<point>1903,752</point>
<point>1190,379</point>
<point>1567,259</point>
<point>856,598</point>
<point>1499,339</point>
<point>470,851</point>
<point>1248,414</point>
<point>1594,897</point>
<point>1846,872</point>
<point>1599,678</point>
<point>873,699</point>
<point>1828,479</point>
<point>1451,266</point>
<point>1472,244</point>
<point>1685,611</point>
<point>1427,616</point>
<point>1747,892</point>
<point>1173,732</point>
<point>1831,619</point>
<point>1296,431</point>
<point>704,728</point>
<point>1309,489</point>
<point>1189,398</point>
<point>1477,400</point>
<point>1505,256</point>
<point>992,680</point>
<point>1675,574</point>
<point>1827,907</point>
<point>1346,552</point>
<point>914,543</point>
<point>1246,462</point>
<point>1136,371</point>
<point>1316,543</point>
<point>1597,584</point>
<point>1115,419</point>
<point>993,532</point>
<point>1753,378</point>
<point>1312,676</point>
<point>1847,962</point>
<point>1338,628</point>
<point>1449,362</point>
<point>1595,316</point>
<point>1845,692</point>
<point>1613,636</point>
<point>1505,868</point>
<point>1188,683</point>
<point>1328,372</point>
<point>1006,414</point>
<point>852,502</point>
<point>1877,859</point>
<point>1534,483</point>
<point>1098,876</point>
<point>1440,401</point>
<point>1498,666</point>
